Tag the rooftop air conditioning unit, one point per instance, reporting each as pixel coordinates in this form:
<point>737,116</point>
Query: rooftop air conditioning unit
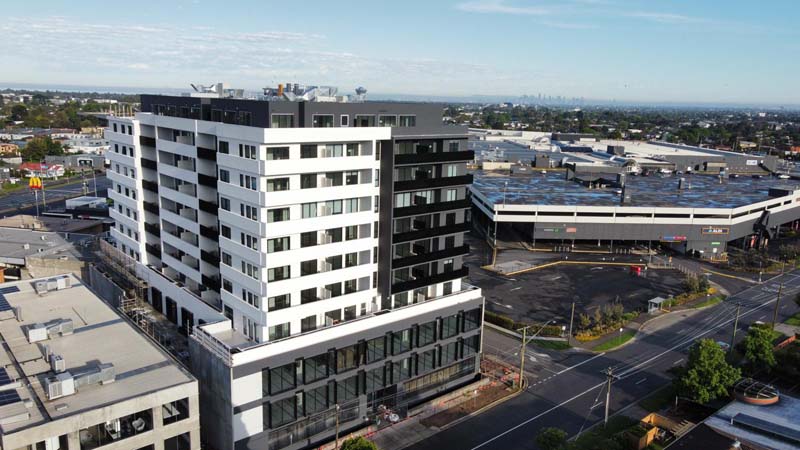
<point>59,385</point>
<point>37,333</point>
<point>57,363</point>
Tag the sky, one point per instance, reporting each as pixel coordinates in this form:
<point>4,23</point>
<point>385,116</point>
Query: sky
<point>714,51</point>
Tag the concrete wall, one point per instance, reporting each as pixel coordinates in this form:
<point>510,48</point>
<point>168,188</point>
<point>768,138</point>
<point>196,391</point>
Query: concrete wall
<point>104,286</point>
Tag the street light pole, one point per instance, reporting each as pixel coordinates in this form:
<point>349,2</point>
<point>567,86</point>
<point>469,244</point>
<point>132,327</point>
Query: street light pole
<point>525,342</point>
<point>777,304</point>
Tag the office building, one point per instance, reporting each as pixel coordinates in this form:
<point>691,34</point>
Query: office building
<point>314,244</point>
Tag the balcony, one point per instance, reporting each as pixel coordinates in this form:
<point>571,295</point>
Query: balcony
<point>210,257</point>
<point>413,260</point>
<point>430,232</point>
<point>153,250</point>
<point>153,229</point>
<point>429,280</point>
<point>149,164</point>
<point>150,186</point>
<point>209,233</point>
<point>148,141</point>
<point>151,207</point>
<point>209,207</point>
<point>206,153</point>
<point>429,183</point>
<point>207,180</point>
<point>439,157</point>
<point>431,208</point>
<point>210,282</point>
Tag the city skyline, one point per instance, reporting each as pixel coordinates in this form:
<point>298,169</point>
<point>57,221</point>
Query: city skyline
<point>627,50</point>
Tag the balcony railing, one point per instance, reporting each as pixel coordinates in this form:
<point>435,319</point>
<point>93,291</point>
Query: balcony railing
<point>152,228</point>
<point>150,186</point>
<point>207,180</point>
<point>429,280</point>
<point>209,257</point>
<point>209,233</point>
<point>431,208</point>
<point>428,183</point>
<point>151,207</point>
<point>206,153</point>
<point>210,282</point>
<point>438,157</point>
<point>153,250</point>
<point>430,232</point>
<point>209,207</point>
<point>149,164</point>
<point>432,256</point>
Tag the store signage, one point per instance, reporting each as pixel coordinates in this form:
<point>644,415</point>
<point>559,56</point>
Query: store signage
<point>673,238</point>
<point>715,230</point>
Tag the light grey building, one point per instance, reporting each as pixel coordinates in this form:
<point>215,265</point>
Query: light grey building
<point>76,375</point>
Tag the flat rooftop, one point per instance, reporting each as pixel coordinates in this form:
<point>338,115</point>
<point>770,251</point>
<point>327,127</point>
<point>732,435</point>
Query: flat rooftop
<point>761,424</point>
<point>101,336</point>
<point>46,223</point>
<point>16,244</point>
<point>552,189</point>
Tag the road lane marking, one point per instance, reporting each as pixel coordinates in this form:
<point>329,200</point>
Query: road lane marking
<point>580,363</point>
<point>516,288</point>
<point>596,405</point>
<point>641,381</point>
<point>677,362</point>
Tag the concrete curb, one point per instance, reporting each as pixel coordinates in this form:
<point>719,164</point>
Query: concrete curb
<point>519,336</point>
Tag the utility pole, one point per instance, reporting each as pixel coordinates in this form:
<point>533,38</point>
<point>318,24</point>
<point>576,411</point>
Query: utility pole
<point>610,378</point>
<point>337,428</point>
<point>525,342</point>
<point>777,305</point>
<point>571,318</point>
<point>735,326</point>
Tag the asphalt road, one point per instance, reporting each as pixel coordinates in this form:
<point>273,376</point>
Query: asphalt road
<point>22,201</point>
<point>567,390</point>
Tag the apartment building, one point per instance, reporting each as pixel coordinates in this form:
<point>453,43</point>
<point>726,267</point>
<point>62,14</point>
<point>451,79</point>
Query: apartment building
<point>312,244</point>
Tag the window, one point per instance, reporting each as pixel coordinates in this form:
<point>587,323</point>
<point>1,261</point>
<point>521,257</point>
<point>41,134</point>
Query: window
<point>249,241</point>
<point>308,239</point>
<point>451,195</point>
<point>275,153</point>
<point>346,358</point>
<point>224,175</point>
<point>277,215</point>
<point>222,147</point>
<point>426,334</point>
<point>347,389</point>
<point>175,411</point>
<point>248,151</point>
<point>308,296</point>
<point>179,442</point>
<point>278,302</point>
<point>250,298</point>
<point>315,368</point>
<point>364,121</point>
<point>322,121</point>
<point>453,146</point>
<point>309,210</point>
<point>387,121</point>
<point>308,151</point>
<point>250,270</point>
<point>351,232</point>
<point>376,349</point>
<point>308,324</point>
<point>308,181</point>
<point>472,319</point>
<point>471,345</point>
<point>283,412</point>
<point>278,273</point>
<point>408,121</point>
<point>316,400</point>
<point>449,352</point>
<point>225,231</point>
<point>351,205</point>
<point>226,259</point>
<point>250,182</point>
<point>344,120</point>
<point>449,326</point>
<point>427,361</point>
<point>278,244</point>
<point>277,184</point>
<point>225,203</point>
<point>251,212</point>
<point>374,379</point>
<point>227,286</point>
<point>352,149</point>
<point>351,177</point>
<point>349,311</point>
<point>282,121</point>
<point>308,267</point>
<point>333,207</point>
<point>351,259</point>
<point>401,341</point>
<point>450,170</point>
<point>401,370</point>
<point>278,332</point>
<point>333,150</point>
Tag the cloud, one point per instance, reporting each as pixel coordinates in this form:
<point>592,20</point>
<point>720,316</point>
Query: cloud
<point>668,18</point>
<point>500,7</point>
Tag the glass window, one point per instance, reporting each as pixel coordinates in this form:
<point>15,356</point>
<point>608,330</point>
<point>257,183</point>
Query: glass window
<point>180,442</point>
<point>375,379</point>
<point>376,349</point>
<point>224,175</point>
<point>277,215</point>
<point>278,273</point>
<point>401,370</point>
<point>315,368</point>
<point>308,181</point>
<point>308,324</point>
<point>277,184</point>
<point>449,353</point>
<point>276,153</point>
<point>351,177</point>
<point>282,121</point>
<point>279,331</point>
<point>471,345</point>
<point>225,203</point>
<point>426,334</point>
<point>401,341</point>
<point>352,149</point>
<point>408,121</point>
<point>346,358</point>
<point>347,389</point>
<point>309,210</point>
<point>308,239</point>
<point>364,121</point>
<point>453,146</point>
<point>449,326</point>
<point>175,411</point>
<point>344,120</point>
<point>322,121</point>
<point>278,302</point>
<point>387,121</point>
<point>283,412</point>
<point>278,244</point>
<point>472,319</point>
<point>427,361</point>
<point>316,400</point>
<point>308,151</point>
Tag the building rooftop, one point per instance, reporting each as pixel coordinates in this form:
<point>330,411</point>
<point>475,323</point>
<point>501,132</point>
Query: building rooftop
<point>17,244</point>
<point>552,189</point>
<point>45,223</point>
<point>99,336</point>
<point>775,426</point>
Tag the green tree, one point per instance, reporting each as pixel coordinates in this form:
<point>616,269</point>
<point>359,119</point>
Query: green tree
<point>757,346</point>
<point>707,375</point>
<point>39,147</point>
<point>358,443</point>
<point>551,439</point>
<point>19,112</point>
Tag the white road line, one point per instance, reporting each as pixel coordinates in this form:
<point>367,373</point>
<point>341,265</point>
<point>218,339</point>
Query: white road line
<point>596,405</point>
<point>516,288</point>
<point>677,362</point>
<point>538,416</point>
<point>641,381</point>
<point>580,363</point>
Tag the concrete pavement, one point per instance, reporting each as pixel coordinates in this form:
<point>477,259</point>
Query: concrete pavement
<point>569,393</point>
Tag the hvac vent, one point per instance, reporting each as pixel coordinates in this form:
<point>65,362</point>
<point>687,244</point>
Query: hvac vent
<point>44,331</point>
<point>58,364</point>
